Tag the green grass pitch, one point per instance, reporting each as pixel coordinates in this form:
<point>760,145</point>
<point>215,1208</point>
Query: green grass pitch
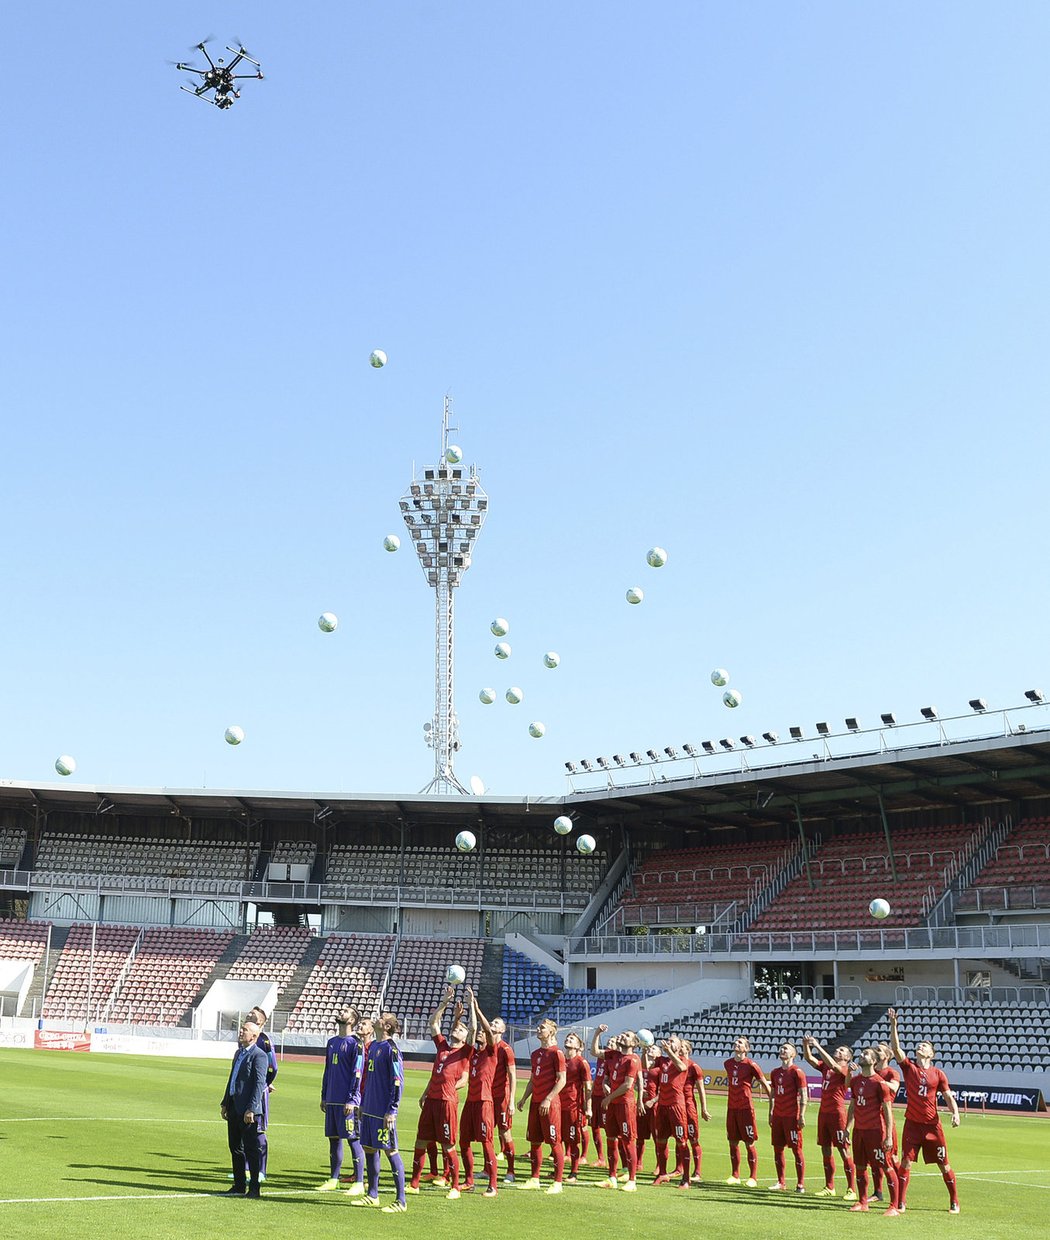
<point>128,1146</point>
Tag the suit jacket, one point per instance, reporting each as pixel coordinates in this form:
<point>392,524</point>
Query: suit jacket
<point>245,1091</point>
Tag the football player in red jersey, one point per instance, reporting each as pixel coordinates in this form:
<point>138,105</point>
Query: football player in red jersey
<point>883,1069</point>
<point>742,1072</point>
<point>620,1104</point>
<point>504,1087</point>
<point>439,1114</point>
<point>546,1081</point>
<point>787,1116</point>
<point>575,1101</point>
<point>922,1127</point>
<point>670,1120</point>
<point>597,1114</point>
<point>871,1110</point>
<point>651,1059</point>
<point>477,1123</point>
<point>831,1117</point>
<point>694,1084</point>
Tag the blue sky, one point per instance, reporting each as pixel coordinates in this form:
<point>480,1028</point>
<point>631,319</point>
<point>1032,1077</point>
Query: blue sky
<point>764,284</point>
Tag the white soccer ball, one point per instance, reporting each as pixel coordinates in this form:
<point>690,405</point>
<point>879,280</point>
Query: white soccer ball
<point>732,698</point>
<point>466,841</point>
<point>537,729</point>
<point>879,909</point>
<point>65,765</point>
<point>551,659</point>
<point>585,844</point>
<point>502,650</point>
<point>514,695</point>
<point>453,454</point>
<point>720,677</point>
<point>563,824</point>
<point>645,1036</point>
<point>391,542</point>
<point>328,622</point>
<point>488,696</point>
<point>656,558</point>
<point>455,974</point>
<point>378,358</point>
<point>234,735</point>
<point>634,595</point>
<point>500,627</point>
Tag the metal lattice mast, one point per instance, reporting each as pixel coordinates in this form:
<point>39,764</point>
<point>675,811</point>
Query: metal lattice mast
<point>444,512</point>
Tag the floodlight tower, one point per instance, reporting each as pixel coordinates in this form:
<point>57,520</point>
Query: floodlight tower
<point>444,512</point>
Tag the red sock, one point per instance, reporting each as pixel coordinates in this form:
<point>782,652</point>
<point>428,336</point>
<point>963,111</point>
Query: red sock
<point>630,1156</point>
<point>661,1158</point>
<point>698,1156</point>
<point>829,1172</point>
<point>586,1135</point>
<point>417,1166</point>
<point>752,1161</point>
<point>903,1176</point>
<point>536,1159</point>
<point>466,1155</point>
<point>800,1164</point>
<point>558,1150</point>
<point>453,1162</point>
<point>734,1160</point>
<point>778,1162</point>
<point>949,1179</point>
<point>508,1149</point>
<point>432,1157</point>
<point>488,1153</point>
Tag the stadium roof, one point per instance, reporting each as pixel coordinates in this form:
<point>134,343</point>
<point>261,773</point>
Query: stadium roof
<point>968,777</point>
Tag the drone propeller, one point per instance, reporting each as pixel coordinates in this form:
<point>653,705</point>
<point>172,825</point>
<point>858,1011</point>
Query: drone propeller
<point>199,47</point>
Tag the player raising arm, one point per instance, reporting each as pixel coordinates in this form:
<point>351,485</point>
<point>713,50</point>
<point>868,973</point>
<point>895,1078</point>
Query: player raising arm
<point>922,1127</point>
<point>831,1117</point>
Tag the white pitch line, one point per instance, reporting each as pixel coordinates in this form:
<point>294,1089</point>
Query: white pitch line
<point>148,1196</point>
<point>118,1119</point>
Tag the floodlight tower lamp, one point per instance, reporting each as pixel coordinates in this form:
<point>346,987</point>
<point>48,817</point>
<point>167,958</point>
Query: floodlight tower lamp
<point>1035,696</point>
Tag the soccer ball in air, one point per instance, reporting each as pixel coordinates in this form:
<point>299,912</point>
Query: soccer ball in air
<point>656,558</point>
<point>537,729</point>
<point>466,841</point>
<point>645,1036</point>
<point>634,595</point>
<point>234,735</point>
<point>328,622</point>
<point>65,765</point>
<point>488,696</point>
<point>391,542</point>
<point>502,650</point>
<point>514,695</point>
<point>455,974</point>
<point>500,627</point>
<point>720,677</point>
<point>563,824</point>
<point>585,844</point>
<point>879,909</point>
<point>453,454</point>
<point>377,358</point>
<point>732,697</point>
<point>551,659</point>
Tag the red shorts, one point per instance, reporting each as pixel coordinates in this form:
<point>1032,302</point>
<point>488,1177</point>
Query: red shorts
<point>645,1124</point>
<point>573,1123</point>
<point>544,1129</point>
<point>621,1121</point>
<point>476,1124</point>
<point>438,1122</point>
<point>504,1114</point>
<point>831,1128</point>
<point>867,1148</point>
<point>926,1137</point>
<point>670,1123</point>
<point>740,1126</point>
<point>692,1123</point>
<point>785,1132</point>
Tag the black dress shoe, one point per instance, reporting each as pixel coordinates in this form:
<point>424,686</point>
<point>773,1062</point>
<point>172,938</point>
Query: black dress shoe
<point>253,1191</point>
<point>234,1191</point>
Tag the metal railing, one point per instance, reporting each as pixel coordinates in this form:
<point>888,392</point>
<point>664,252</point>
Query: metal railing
<point>1002,899</point>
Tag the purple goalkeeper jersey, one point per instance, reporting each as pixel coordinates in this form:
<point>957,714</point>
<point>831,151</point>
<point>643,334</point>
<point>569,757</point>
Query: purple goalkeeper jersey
<point>384,1079</point>
<point>341,1083</point>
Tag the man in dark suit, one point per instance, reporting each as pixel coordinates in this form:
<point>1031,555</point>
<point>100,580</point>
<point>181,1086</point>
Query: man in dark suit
<point>242,1109</point>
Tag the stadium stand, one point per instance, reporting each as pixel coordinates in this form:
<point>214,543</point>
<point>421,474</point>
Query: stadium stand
<point>89,969</point>
<point>417,980</point>
<point>575,1005</point>
<point>166,974</point>
<point>972,1036</point>
<point>12,845</point>
<point>767,1023</point>
<point>528,987</point>
<point>23,940</point>
<point>1020,863</point>
<point>271,955</point>
<point>849,869</point>
<point>351,969</point>
<point>293,852</point>
<point>118,854</point>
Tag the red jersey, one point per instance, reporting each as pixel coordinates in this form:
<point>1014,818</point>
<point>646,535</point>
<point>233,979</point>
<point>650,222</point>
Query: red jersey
<point>547,1063</point>
<point>741,1072</point>
<point>833,1089</point>
<point>888,1075</point>
<point>923,1085</point>
<point>598,1090</point>
<point>692,1078</point>
<point>619,1069</point>
<point>788,1084</point>
<point>482,1071</point>
<point>671,1082</point>
<point>577,1075</point>
<point>449,1067</point>
<point>501,1078</point>
<point>869,1093</point>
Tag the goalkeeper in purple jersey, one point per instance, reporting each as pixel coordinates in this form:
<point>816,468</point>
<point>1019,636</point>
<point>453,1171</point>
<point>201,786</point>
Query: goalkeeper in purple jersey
<point>382,1086</point>
<point>340,1099</point>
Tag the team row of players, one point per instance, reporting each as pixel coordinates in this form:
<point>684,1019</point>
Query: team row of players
<point>628,1099</point>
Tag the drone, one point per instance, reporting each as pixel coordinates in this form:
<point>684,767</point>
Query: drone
<point>219,77</point>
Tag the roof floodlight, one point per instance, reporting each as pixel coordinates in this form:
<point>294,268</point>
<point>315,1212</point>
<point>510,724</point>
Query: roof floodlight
<point>727,742</point>
<point>749,741</point>
<point>979,705</point>
<point>618,758</point>
<point>652,755</point>
<point>587,764</point>
<point>770,737</point>
<point>796,732</point>
<point>929,712</point>
<point>889,719</point>
<point>671,752</point>
<point>602,763</point>
<point>853,725</point>
<point>571,767</point>
<point>1034,696</point>
<point>690,749</point>
<point>708,746</point>
<point>635,756</point>
<point>823,729</point>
